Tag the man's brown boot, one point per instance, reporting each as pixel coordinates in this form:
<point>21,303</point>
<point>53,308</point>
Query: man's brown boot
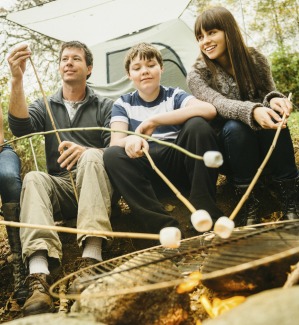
<point>39,300</point>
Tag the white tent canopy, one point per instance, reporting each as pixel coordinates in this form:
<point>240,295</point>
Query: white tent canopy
<point>96,21</point>
<point>110,27</point>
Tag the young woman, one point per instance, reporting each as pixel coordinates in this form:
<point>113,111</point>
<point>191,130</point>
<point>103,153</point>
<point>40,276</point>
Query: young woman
<point>237,80</point>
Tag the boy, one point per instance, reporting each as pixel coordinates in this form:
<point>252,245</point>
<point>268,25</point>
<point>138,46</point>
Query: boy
<point>168,114</point>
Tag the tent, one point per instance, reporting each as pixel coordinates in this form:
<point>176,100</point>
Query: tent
<point>111,27</point>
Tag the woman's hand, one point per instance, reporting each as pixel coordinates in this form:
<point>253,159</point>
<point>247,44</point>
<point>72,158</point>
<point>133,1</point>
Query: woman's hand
<point>281,105</point>
<point>267,118</point>
<point>134,145</point>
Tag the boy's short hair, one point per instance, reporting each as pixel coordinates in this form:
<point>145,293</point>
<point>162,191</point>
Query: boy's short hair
<point>145,51</point>
<point>78,45</point>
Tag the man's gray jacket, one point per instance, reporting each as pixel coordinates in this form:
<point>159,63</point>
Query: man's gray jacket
<point>94,112</point>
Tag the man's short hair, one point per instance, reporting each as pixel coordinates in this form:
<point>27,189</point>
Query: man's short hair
<point>145,51</point>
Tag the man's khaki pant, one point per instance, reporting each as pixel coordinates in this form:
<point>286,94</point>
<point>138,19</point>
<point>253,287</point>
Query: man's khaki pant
<point>46,198</point>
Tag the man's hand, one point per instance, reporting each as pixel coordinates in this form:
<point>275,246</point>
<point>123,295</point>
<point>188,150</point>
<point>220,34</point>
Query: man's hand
<point>267,118</point>
<point>70,153</point>
<point>134,145</point>
<point>17,60</point>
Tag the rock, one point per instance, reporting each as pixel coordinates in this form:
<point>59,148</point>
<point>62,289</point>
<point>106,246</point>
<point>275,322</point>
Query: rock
<point>276,306</point>
<point>162,306</point>
<point>65,319</point>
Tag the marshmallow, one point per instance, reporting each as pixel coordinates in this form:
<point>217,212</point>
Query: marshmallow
<point>201,220</point>
<point>224,227</point>
<point>213,159</point>
<point>170,237</point>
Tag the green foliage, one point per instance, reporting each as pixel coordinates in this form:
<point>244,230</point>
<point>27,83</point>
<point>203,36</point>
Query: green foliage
<point>293,123</point>
<point>23,147</point>
<point>285,67</point>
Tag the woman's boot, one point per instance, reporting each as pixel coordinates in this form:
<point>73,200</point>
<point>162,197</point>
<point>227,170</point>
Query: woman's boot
<point>288,191</point>
<point>248,215</point>
<point>11,212</point>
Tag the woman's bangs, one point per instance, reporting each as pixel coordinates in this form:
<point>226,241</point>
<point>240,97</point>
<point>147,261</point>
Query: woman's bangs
<point>209,22</point>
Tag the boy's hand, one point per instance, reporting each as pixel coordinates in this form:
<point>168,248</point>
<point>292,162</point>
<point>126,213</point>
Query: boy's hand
<point>70,153</point>
<point>146,127</point>
<point>134,145</point>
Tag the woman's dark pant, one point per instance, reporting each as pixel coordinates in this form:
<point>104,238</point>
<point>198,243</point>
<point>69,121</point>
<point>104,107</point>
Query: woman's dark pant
<point>133,177</point>
<point>10,178</point>
<point>244,149</point>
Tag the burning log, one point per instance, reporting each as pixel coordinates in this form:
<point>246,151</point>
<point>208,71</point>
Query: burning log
<point>251,263</point>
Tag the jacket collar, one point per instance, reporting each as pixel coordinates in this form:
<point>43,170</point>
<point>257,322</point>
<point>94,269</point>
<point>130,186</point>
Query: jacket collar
<point>57,97</point>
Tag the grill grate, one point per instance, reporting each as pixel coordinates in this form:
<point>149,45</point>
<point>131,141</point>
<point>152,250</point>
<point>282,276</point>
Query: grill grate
<point>158,267</point>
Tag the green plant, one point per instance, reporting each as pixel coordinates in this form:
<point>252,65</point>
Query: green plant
<point>23,148</point>
<point>285,67</point>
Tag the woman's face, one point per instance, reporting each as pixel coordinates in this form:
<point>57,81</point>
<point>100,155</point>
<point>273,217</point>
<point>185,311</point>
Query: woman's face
<point>212,43</point>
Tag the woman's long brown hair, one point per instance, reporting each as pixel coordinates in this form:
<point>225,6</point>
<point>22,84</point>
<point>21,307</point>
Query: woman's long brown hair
<point>244,69</point>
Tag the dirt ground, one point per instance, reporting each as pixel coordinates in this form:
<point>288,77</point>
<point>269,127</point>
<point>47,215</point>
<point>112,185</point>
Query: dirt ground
<point>122,221</point>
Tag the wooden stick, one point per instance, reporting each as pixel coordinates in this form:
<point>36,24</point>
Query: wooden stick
<point>33,153</point>
<point>81,231</point>
<point>99,128</point>
<point>167,181</point>
<point>260,169</point>
<point>53,123</point>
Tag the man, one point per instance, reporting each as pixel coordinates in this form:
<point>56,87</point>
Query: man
<point>47,197</point>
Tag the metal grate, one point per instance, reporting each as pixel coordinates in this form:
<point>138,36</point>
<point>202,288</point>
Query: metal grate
<point>158,267</point>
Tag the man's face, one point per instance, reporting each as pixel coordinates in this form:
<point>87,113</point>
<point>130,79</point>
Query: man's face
<point>72,66</point>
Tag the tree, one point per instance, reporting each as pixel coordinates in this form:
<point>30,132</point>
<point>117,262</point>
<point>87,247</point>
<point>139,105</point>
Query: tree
<point>280,20</point>
<point>45,50</point>
<point>45,58</point>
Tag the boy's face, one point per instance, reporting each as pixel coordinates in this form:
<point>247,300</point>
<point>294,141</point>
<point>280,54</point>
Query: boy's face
<point>146,75</point>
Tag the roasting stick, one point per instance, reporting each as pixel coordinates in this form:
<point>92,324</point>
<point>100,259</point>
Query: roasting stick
<point>52,122</point>
<point>224,226</point>
<point>200,219</point>
<point>169,237</point>
<point>167,181</point>
<point>80,231</point>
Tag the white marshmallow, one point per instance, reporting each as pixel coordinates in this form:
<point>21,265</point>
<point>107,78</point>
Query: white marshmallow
<point>170,237</point>
<point>201,220</point>
<point>213,159</point>
<point>224,227</point>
